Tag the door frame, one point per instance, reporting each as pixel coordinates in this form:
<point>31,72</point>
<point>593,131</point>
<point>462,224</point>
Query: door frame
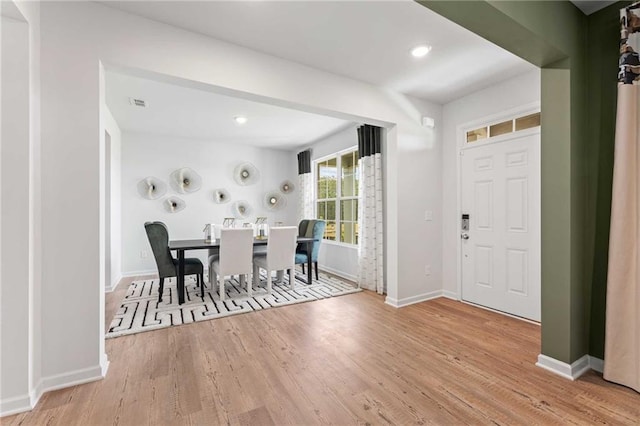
<point>461,146</point>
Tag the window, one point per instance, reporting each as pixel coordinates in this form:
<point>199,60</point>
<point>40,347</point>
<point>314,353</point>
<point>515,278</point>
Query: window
<point>497,129</point>
<point>337,179</point>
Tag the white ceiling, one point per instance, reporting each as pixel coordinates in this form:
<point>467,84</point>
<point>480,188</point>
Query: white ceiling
<point>364,40</point>
<point>182,112</point>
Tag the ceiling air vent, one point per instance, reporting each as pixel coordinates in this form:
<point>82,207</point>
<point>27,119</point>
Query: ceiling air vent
<point>137,102</point>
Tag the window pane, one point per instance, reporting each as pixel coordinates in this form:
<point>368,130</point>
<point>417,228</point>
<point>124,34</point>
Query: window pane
<point>330,231</point>
<point>331,174</point>
<point>476,134</point>
<point>355,231</point>
<point>347,232</point>
<point>356,181</point>
<point>331,210</point>
<point>348,210</point>
<point>528,121</point>
<point>348,185</point>
<point>322,182</point>
<point>321,210</point>
<point>501,128</point>
<point>348,165</point>
<point>327,172</point>
<point>349,174</point>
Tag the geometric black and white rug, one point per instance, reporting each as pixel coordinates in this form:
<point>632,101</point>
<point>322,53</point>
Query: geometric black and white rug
<point>140,310</point>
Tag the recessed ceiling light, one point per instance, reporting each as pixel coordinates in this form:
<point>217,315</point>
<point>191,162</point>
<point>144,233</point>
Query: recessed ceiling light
<point>420,51</point>
<point>239,119</point>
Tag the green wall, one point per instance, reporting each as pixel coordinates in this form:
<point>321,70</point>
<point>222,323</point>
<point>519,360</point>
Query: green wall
<point>577,147</point>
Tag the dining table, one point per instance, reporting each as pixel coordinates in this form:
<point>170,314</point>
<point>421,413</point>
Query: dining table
<point>180,246</point>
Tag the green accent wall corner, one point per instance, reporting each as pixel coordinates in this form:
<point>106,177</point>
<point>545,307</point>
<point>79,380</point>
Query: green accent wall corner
<point>577,55</point>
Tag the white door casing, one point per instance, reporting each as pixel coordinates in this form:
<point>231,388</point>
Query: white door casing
<point>500,190</point>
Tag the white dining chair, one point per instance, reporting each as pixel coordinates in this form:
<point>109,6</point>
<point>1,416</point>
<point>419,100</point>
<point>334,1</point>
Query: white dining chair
<point>236,251</point>
<point>280,255</point>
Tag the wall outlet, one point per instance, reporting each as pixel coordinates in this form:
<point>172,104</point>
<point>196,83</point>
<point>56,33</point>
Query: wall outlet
<point>427,269</point>
<point>428,215</point>
<point>144,254</point>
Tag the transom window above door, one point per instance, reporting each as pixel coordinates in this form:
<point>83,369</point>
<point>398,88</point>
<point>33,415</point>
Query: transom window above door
<point>504,127</point>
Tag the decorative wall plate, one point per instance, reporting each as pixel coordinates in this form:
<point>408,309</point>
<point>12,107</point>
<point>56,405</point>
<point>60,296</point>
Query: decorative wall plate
<point>274,201</point>
<point>246,174</point>
<point>241,209</point>
<point>151,188</point>
<point>173,204</point>
<point>287,187</point>
<point>185,180</point>
<point>221,196</point>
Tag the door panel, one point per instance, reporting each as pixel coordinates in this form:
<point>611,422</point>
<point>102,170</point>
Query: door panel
<point>483,271</point>
<point>517,204</point>
<point>500,190</point>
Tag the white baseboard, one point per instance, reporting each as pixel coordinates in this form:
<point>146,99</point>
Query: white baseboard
<point>450,295</point>
<point>111,287</point>
<point>59,381</point>
<point>338,273</point>
<point>596,364</point>
<point>568,371</point>
<point>137,273</point>
<point>74,378</point>
<point>399,303</point>
<point>15,405</point>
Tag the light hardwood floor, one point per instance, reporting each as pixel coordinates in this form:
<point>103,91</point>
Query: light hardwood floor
<point>343,360</point>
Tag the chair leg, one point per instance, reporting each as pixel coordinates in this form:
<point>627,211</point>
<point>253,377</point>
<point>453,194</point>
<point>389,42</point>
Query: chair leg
<point>279,276</point>
<point>161,289</point>
<point>213,279</point>
<point>268,282</point>
<point>249,286</point>
<point>242,279</point>
<point>201,277</point>
<point>221,287</point>
<point>256,275</point>
<point>316,266</point>
<point>303,268</point>
<point>292,278</point>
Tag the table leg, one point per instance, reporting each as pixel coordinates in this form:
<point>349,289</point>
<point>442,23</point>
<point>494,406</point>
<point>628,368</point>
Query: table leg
<point>180,277</point>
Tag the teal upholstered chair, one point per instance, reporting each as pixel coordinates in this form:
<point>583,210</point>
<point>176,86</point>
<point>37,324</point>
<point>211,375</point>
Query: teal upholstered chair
<point>158,236</point>
<point>310,228</point>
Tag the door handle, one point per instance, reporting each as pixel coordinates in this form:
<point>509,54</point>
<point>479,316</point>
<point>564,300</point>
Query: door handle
<point>464,236</point>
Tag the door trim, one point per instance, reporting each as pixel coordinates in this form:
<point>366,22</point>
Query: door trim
<point>461,146</point>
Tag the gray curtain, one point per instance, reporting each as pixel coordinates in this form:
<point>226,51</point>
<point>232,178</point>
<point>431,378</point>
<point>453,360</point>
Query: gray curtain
<point>305,184</point>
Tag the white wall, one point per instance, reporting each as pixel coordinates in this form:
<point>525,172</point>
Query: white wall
<point>15,316</point>
<point>146,155</point>
<point>76,38</point>
<point>114,258</point>
<point>340,259</point>
<point>20,358</point>
<point>419,189</point>
<point>510,94</point>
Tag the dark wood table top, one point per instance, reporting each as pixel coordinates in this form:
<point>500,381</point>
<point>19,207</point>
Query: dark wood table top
<point>201,244</point>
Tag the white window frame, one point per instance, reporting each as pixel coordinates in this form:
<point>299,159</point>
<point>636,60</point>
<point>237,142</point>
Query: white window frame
<point>338,156</point>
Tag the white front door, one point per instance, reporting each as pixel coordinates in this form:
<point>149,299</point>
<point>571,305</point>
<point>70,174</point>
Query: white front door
<point>500,193</point>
